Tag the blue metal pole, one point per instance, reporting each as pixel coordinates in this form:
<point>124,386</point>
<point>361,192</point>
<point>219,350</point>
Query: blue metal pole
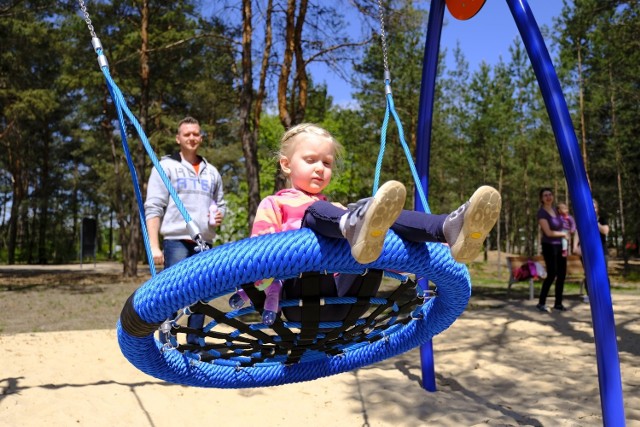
<point>423,145</point>
<point>428,363</point>
<point>595,268</point>
<point>427,94</point>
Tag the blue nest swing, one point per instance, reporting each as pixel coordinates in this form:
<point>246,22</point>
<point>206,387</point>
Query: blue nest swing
<point>249,354</point>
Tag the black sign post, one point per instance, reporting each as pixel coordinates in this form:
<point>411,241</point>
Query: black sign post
<point>88,238</point>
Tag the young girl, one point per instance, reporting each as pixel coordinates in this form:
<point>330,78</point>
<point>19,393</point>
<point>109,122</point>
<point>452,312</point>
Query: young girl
<point>568,226</point>
<point>307,156</point>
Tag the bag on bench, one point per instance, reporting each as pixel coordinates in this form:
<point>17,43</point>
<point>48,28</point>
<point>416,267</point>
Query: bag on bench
<point>528,270</point>
<point>524,272</point>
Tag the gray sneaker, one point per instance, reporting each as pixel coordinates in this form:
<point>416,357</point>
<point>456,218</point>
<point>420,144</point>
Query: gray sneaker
<point>467,227</point>
<point>369,220</point>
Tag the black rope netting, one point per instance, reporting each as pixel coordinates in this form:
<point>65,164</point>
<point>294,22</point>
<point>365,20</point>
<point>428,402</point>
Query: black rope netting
<point>314,321</point>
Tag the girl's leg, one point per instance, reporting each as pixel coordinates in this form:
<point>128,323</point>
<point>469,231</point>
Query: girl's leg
<point>324,218</point>
<point>344,282</point>
<point>364,224</point>
<point>464,229</point>
<point>420,227</point>
<point>271,303</point>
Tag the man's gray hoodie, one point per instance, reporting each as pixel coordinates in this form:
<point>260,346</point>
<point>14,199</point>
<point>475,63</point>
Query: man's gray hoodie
<point>196,191</point>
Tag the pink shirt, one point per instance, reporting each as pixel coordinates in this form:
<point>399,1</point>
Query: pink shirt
<point>283,211</point>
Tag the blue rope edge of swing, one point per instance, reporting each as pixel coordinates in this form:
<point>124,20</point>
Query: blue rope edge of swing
<point>220,270</point>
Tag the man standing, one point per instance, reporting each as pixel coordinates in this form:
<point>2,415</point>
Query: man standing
<point>199,187</point>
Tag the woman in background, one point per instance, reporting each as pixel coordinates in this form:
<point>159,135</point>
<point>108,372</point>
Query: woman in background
<point>552,227</point>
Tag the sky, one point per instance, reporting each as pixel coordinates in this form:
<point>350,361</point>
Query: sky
<point>485,37</point>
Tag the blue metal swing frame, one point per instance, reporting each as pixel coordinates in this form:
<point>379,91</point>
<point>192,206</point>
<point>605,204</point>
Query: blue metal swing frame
<point>595,268</point>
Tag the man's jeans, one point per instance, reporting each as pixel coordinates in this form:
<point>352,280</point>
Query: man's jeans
<point>177,250</point>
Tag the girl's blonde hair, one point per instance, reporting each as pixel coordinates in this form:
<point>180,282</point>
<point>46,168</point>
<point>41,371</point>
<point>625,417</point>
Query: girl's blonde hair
<point>287,142</point>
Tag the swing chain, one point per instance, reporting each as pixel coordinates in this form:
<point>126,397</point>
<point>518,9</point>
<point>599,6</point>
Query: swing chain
<point>95,41</point>
<point>385,56</point>
<point>83,7</point>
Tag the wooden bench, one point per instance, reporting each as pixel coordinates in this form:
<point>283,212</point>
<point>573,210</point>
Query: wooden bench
<point>575,271</point>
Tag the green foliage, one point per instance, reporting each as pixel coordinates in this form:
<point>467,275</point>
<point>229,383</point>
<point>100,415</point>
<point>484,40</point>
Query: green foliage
<point>234,226</point>
<point>271,131</point>
<point>61,150</point>
<point>601,45</point>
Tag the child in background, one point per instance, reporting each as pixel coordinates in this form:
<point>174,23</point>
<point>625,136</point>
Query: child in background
<point>568,225</point>
<point>307,157</point>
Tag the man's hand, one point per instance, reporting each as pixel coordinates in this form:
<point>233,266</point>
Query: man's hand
<point>158,256</point>
<point>218,219</point>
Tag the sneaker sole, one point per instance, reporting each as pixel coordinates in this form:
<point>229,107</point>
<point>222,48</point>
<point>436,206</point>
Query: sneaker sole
<point>482,215</point>
<point>384,210</point>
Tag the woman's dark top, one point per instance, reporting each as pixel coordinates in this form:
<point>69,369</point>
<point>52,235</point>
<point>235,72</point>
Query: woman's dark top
<point>555,224</point>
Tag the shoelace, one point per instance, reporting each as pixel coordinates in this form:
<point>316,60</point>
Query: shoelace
<point>453,215</point>
<point>356,210</point>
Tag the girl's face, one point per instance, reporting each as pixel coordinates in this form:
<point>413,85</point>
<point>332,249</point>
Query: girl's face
<point>310,163</point>
<point>562,208</point>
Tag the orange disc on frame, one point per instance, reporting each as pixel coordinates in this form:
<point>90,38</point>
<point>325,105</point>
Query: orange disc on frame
<point>464,9</point>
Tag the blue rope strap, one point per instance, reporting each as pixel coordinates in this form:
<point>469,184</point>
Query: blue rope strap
<point>122,109</point>
<point>391,110</point>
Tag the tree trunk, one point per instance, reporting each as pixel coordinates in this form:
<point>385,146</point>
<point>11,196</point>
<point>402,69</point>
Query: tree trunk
<point>301,81</point>
<point>118,196</point>
<point>283,82</point>
<point>19,185</point>
<point>530,241</point>
<point>583,129</point>
<point>75,211</point>
<point>498,228</point>
<point>290,111</point>
<point>285,68</point>
<point>251,152</point>
<point>13,226</point>
<point>44,203</point>
<point>619,167</point>
<point>132,234</point>
<point>250,126</point>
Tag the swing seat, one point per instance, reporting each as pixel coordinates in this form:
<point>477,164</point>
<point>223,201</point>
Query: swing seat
<point>235,351</point>
<point>311,289</point>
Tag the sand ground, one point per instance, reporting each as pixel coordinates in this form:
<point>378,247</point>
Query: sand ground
<point>500,364</point>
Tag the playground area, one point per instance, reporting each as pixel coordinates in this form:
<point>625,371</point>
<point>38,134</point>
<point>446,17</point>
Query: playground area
<point>502,363</point>
<point>500,360</point>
